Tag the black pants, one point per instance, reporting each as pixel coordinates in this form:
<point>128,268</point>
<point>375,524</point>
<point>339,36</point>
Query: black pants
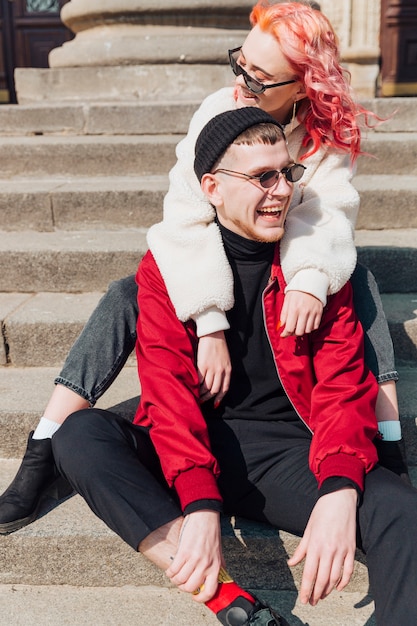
<point>264,476</point>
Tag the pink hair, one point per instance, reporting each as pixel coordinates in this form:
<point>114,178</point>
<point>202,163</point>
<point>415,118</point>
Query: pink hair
<point>310,46</point>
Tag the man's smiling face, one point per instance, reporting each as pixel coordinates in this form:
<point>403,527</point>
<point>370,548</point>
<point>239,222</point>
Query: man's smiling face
<point>243,205</point>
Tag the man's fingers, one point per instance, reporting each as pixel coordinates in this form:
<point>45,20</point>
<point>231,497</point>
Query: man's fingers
<point>299,554</point>
<point>319,581</point>
<point>328,576</point>
<point>193,580</point>
<point>347,572</point>
<point>207,590</point>
<point>307,584</point>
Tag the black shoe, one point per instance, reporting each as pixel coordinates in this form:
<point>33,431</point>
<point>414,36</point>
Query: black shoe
<point>36,478</point>
<point>263,615</point>
<point>244,613</point>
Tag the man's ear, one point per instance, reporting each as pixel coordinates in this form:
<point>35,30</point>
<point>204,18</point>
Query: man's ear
<point>210,188</point>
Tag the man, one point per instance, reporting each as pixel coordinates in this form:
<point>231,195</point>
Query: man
<point>290,444</point>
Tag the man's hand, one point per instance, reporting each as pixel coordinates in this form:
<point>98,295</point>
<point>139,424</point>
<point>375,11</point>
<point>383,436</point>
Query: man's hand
<point>199,557</point>
<point>328,546</point>
<point>301,313</point>
<point>214,367</point>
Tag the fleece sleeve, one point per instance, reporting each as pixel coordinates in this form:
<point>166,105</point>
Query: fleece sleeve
<point>201,279</point>
<point>318,253</point>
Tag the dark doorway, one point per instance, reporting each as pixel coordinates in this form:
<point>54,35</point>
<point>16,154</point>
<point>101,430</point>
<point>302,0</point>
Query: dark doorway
<point>30,29</point>
<point>398,48</point>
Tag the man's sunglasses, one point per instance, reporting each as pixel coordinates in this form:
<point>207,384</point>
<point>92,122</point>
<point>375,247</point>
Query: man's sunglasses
<point>292,174</point>
<point>251,83</point>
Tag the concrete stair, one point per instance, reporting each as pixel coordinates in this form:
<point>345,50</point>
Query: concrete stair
<point>79,186</point>
<point>82,606</point>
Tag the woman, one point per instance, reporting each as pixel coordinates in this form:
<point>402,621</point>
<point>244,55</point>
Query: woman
<point>289,66</point>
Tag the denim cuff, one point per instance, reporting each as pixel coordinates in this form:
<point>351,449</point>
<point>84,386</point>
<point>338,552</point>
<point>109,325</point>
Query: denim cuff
<point>387,376</point>
<point>78,390</point>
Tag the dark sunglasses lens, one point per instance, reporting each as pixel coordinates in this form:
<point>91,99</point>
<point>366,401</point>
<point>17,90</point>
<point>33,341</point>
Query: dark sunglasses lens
<point>233,56</point>
<point>253,84</point>
<point>268,179</point>
<point>294,173</point>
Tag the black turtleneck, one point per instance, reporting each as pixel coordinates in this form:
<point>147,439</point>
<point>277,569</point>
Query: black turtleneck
<point>255,390</point>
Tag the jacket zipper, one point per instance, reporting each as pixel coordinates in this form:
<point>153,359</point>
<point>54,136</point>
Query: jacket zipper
<point>267,288</point>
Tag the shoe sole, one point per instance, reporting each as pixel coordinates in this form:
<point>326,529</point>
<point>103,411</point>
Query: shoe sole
<point>58,490</point>
<point>11,527</point>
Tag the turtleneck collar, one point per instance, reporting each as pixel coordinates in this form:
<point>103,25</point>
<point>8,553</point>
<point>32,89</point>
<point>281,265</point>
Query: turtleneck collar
<point>243,249</point>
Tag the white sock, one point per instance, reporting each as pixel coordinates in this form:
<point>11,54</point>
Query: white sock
<point>45,429</point>
<point>390,430</point>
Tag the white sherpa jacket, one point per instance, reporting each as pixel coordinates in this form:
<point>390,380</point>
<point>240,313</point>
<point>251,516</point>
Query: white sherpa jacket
<point>317,251</point>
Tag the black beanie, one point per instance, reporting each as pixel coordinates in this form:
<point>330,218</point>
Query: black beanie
<point>221,131</point>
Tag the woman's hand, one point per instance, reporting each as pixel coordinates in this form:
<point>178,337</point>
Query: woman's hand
<point>301,313</point>
<point>198,559</point>
<point>214,367</point>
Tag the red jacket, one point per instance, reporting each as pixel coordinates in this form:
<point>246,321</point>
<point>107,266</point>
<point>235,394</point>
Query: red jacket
<point>323,374</point>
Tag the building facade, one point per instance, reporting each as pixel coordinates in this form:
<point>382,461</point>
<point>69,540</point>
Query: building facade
<point>378,38</point>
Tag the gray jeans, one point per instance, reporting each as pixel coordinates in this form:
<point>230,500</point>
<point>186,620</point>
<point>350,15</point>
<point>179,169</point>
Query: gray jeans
<point>109,336</point>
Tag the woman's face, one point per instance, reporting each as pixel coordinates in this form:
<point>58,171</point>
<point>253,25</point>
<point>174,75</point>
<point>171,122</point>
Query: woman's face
<point>261,58</point>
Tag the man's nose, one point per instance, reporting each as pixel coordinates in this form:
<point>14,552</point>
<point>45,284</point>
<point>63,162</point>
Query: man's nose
<point>281,187</point>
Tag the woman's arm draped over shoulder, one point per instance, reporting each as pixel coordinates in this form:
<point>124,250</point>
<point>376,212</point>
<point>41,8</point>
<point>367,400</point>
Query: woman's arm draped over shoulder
<point>187,245</point>
<point>318,253</point>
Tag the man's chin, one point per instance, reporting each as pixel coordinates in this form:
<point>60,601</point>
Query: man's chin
<point>270,235</point>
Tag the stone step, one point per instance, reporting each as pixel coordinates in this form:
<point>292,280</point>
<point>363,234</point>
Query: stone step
<point>88,260</point>
<point>87,155</point>
<point>68,260</point>
<point>44,325</point>
<point>118,155</point>
<point>386,202</point>
<point>25,392</point>
<point>142,117</point>
<point>97,118</point>
<point>393,153</point>
<point>100,557</point>
<point>67,543</point>
<point>397,114</point>
<point>126,83</point>
<point>43,605</point>
<point>81,203</point>
<point>391,254</point>
<point>41,327</point>
<point>111,202</point>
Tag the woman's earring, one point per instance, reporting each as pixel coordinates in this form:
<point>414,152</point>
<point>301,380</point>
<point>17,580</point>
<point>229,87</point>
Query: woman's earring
<point>294,111</point>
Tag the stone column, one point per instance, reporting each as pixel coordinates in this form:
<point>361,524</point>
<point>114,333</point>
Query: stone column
<point>130,32</point>
<point>357,24</point>
<point>149,50</point>
<point>141,50</point>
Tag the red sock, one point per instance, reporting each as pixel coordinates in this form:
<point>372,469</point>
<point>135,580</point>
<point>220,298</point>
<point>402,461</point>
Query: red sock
<point>227,593</point>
